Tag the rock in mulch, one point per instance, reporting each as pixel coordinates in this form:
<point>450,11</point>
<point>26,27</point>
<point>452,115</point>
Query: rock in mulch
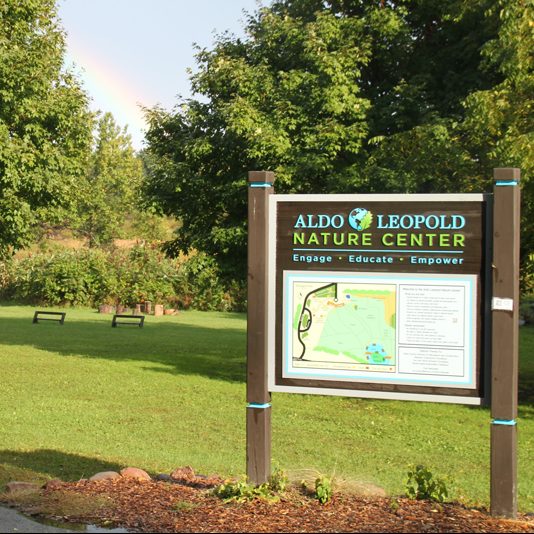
<point>135,473</point>
<point>105,475</point>
<point>186,473</point>
<point>186,476</point>
<point>15,486</point>
<point>366,489</point>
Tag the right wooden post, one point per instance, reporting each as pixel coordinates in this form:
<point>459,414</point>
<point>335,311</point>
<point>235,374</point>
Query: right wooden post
<point>505,341</point>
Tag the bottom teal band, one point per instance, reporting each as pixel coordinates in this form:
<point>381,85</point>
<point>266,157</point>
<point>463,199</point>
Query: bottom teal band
<point>262,406</point>
<point>506,422</point>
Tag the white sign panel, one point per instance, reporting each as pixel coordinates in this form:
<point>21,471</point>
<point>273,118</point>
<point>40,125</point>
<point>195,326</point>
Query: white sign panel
<point>410,329</point>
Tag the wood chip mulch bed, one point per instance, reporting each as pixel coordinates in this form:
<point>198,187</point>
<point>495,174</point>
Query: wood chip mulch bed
<point>188,505</point>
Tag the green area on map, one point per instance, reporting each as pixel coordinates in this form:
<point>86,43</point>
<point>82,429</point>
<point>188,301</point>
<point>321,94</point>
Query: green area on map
<point>343,323</point>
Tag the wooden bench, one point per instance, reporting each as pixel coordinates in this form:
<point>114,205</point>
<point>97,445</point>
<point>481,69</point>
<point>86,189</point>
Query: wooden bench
<point>138,320</point>
<point>37,316</point>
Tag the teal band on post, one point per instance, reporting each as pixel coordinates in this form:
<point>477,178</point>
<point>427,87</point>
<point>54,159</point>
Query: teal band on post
<point>507,183</point>
<point>260,406</point>
<point>260,184</point>
<point>505,422</point>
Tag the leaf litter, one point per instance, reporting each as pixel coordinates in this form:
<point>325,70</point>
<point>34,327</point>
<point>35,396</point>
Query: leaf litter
<point>187,504</point>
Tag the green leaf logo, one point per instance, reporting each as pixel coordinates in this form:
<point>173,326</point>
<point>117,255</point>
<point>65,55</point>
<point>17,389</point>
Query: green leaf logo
<point>360,219</point>
<point>366,221</point>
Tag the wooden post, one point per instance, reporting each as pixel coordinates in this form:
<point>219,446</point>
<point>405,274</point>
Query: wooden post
<point>258,396</point>
<point>505,340</point>
<point>148,307</point>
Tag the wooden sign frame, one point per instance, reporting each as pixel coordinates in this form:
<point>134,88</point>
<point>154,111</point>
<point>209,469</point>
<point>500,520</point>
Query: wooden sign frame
<point>497,302</point>
<point>399,269</point>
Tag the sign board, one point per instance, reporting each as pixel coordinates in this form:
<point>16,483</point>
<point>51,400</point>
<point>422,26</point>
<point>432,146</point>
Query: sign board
<point>379,296</point>
<point>386,296</point>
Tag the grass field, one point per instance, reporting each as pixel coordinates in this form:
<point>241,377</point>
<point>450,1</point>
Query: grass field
<point>85,397</point>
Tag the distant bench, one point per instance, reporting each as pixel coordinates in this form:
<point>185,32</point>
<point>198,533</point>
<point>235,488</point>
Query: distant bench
<point>58,316</point>
<point>136,320</point>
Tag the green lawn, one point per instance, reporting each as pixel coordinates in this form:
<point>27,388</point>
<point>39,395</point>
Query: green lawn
<point>85,397</point>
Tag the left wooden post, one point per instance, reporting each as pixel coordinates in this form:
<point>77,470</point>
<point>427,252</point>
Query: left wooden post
<point>258,397</point>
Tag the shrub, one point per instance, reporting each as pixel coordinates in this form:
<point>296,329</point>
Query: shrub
<point>278,481</point>
<point>422,485</point>
<point>241,490</point>
<point>527,275</point>
<point>146,274</point>
<point>199,285</point>
<point>67,277</point>
<point>323,489</point>
<point>526,309</point>
<point>6,275</point>
<point>89,277</point>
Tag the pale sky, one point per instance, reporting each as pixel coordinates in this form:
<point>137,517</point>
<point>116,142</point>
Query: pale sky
<point>138,51</point>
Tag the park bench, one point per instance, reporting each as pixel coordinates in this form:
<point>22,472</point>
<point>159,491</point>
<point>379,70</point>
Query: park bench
<point>58,316</point>
<point>136,320</point>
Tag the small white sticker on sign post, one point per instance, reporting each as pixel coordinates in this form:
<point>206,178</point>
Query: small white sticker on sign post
<point>502,304</point>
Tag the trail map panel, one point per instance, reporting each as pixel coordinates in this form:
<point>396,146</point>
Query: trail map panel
<point>400,329</point>
<point>325,314</point>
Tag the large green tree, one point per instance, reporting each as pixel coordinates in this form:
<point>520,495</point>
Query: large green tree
<point>111,189</point>
<point>491,123</point>
<point>45,125</point>
<point>334,96</point>
<point>499,121</point>
<point>287,98</point>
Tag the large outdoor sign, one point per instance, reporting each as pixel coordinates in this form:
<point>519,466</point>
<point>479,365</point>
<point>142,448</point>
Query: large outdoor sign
<point>378,295</point>
<point>386,296</point>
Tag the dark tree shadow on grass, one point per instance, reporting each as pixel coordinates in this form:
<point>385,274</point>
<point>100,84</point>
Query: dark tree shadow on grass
<point>184,349</point>
<point>56,464</point>
<point>177,348</point>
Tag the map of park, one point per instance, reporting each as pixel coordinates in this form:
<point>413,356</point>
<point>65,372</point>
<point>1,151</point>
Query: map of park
<point>344,326</point>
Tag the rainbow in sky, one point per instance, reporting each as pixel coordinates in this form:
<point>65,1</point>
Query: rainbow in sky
<point>110,90</point>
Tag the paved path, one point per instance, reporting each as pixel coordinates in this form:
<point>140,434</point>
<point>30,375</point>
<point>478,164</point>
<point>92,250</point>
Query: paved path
<point>13,521</point>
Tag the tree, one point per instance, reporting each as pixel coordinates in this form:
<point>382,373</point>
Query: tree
<point>45,125</point>
<point>334,96</point>
<point>491,125</point>
<point>111,190</point>
<point>287,99</point>
<point>500,120</point>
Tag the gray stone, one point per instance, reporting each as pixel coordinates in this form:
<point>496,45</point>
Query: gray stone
<point>105,475</point>
<point>368,489</point>
<point>14,486</point>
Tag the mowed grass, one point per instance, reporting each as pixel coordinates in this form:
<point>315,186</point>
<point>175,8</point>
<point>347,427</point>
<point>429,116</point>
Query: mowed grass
<point>85,397</point>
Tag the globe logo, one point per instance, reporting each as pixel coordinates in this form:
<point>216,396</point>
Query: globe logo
<point>360,219</point>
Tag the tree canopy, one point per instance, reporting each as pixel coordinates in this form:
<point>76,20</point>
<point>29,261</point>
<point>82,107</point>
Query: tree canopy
<point>110,191</point>
<point>346,96</point>
<point>45,125</point>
